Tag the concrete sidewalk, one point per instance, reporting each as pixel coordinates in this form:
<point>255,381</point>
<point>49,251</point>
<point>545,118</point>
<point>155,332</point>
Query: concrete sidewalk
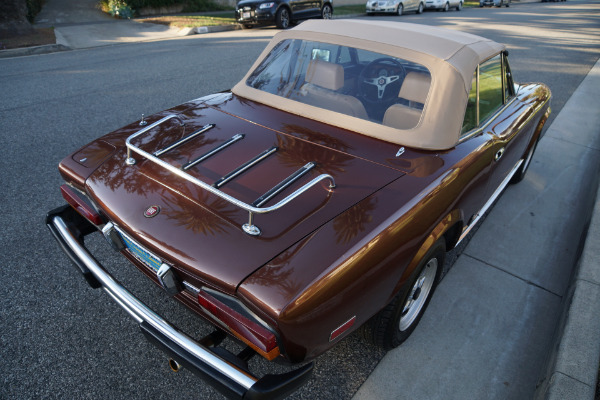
<point>573,368</point>
<point>494,313</point>
<point>80,25</point>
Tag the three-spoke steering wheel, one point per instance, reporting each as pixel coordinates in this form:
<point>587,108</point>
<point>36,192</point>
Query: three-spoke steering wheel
<point>387,85</point>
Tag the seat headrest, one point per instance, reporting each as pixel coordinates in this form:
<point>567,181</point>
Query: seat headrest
<point>415,87</point>
<point>325,74</point>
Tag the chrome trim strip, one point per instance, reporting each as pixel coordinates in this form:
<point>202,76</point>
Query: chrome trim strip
<point>184,140</point>
<point>274,191</point>
<point>490,201</point>
<point>142,313</point>
<point>182,174</point>
<point>212,152</point>
<point>191,288</point>
<point>244,167</point>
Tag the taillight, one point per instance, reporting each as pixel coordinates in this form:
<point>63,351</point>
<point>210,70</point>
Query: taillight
<point>253,334</point>
<point>80,205</point>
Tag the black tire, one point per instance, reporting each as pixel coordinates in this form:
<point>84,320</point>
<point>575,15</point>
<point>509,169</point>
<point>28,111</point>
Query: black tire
<point>520,174</point>
<point>394,324</point>
<point>446,7</point>
<point>459,6</point>
<point>420,9</point>
<point>247,26</point>
<point>327,12</point>
<point>400,9</point>
<point>283,18</point>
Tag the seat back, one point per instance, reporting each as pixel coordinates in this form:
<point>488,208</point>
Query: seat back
<point>414,89</point>
<point>323,80</point>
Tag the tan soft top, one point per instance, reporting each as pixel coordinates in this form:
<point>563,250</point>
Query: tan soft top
<point>450,56</point>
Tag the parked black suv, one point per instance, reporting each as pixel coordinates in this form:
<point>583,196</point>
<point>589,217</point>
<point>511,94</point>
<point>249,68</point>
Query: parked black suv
<point>281,12</point>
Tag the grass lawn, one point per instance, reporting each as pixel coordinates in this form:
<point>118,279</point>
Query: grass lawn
<point>191,21</point>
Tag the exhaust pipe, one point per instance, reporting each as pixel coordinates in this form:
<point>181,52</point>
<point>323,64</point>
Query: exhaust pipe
<point>174,365</point>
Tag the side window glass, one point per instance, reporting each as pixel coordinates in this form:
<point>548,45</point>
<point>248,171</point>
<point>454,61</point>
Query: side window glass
<point>470,120</point>
<point>344,56</point>
<point>490,87</point>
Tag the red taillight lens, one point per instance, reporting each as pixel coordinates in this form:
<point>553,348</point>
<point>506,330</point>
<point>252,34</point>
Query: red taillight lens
<point>343,328</point>
<point>254,335</point>
<point>80,205</point>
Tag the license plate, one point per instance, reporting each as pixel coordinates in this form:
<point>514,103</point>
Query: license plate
<point>140,253</point>
<point>246,15</point>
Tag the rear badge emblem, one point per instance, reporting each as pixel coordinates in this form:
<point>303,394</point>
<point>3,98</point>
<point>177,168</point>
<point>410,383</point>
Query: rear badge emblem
<point>151,211</point>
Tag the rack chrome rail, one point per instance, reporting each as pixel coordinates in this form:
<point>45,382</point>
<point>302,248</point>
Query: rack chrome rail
<point>252,209</point>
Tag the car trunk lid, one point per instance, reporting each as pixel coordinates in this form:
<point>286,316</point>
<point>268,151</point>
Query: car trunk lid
<point>201,233</point>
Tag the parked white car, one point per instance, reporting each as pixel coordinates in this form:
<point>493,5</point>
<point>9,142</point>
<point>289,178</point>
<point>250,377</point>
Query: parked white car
<point>395,6</point>
<point>444,5</point>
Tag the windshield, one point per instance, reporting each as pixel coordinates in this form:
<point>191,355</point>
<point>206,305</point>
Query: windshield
<point>356,82</point>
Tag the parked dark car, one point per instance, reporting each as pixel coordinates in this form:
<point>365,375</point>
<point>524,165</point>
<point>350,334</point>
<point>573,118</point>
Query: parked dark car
<point>318,196</point>
<point>282,13</point>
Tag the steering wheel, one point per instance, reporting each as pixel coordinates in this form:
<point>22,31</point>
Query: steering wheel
<point>388,86</point>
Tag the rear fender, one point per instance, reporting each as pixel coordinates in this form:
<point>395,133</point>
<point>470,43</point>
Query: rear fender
<point>444,226</point>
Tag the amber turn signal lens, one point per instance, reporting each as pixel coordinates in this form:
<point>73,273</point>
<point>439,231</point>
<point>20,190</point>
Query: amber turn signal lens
<point>254,335</point>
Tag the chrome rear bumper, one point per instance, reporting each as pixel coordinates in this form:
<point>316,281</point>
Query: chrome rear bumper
<point>69,228</point>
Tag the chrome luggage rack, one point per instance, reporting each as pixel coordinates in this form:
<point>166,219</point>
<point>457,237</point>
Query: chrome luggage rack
<point>255,207</point>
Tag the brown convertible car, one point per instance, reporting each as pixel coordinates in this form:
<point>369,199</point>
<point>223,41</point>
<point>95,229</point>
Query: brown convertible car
<point>317,197</point>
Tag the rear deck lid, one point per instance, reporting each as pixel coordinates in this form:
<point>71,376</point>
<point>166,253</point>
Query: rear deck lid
<point>200,233</point>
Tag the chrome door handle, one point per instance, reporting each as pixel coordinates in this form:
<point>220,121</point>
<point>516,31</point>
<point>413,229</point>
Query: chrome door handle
<point>499,154</point>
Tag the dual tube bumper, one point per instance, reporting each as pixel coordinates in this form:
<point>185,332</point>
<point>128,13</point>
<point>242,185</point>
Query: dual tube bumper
<point>69,229</point>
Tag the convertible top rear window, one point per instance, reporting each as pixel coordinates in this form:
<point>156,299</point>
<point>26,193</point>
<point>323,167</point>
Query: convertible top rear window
<point>355,82</point>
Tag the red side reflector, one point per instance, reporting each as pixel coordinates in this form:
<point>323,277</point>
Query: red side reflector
<point>80,205</point>
<point>253,334</point>
<point>337,332</point>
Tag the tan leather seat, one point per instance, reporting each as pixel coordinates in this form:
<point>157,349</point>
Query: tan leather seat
<point>414,89</point>
<point>323,80</point>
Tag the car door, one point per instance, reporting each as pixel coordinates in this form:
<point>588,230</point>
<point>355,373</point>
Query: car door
<point>491,128</point>
<point>500,110</point>
<point>410,5</point>
<point>300,8</point>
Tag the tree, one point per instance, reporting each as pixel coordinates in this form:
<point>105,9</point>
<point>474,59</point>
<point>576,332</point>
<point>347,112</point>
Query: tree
<point>13,18</point>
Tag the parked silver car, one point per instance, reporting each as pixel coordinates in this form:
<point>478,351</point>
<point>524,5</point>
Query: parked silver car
<point>398,7</point>
<point>497,3</point>
<point>444,5</point>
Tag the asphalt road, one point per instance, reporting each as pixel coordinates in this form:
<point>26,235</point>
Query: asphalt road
<point>61,339</point>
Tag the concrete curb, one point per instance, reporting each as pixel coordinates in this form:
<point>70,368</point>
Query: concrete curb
<point>213,29</point>
<point>53,48</point>
<point>573,366</point>
<point>575,371</point>
<point>29,51</point>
